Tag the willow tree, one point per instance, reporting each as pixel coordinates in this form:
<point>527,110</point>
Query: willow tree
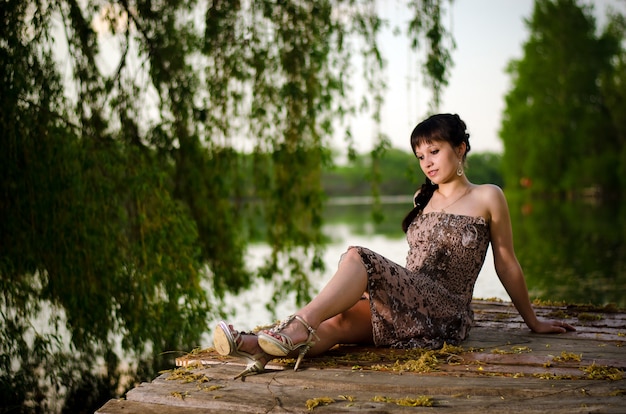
<point>558,131</point>
<point>126,205</point>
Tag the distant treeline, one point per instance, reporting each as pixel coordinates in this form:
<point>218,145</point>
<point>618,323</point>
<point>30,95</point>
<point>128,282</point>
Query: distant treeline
<point>400,173</point>
<point>397,173</point>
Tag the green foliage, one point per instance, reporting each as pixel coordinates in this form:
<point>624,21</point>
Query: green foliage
<point>613,84</point>
<point>485,168</point>
<point>427,17</point>
<point>572,251</point>
<point>401,174</point>
<point>121,259</point>
<point>557,129</point>
<point>126,199</point>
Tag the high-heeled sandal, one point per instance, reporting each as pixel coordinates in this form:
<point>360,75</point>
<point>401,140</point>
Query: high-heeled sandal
<point>227,342</point>
<point>278,344</point>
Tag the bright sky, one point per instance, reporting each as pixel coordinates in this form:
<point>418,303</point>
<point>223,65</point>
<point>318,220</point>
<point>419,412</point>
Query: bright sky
<point>488,34</point>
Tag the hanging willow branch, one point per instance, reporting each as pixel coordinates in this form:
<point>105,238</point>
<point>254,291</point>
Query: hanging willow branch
<point>255,76</point>
<point>426,25</point>
<point>146,143</point>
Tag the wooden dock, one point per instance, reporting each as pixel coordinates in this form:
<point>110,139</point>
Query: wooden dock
<point>502,367</point>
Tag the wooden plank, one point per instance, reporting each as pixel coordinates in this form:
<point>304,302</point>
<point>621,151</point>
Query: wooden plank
<point>285,391</point>
<point>502,367</point>
<point>121,406</point>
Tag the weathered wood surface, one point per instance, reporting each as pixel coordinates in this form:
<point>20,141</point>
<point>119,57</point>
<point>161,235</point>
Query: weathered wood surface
<point>502,367</point>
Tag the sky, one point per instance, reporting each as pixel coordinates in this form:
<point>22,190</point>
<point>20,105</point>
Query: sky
<point>488,35</point>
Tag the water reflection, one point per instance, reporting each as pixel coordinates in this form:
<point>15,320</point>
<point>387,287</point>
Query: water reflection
<point>572,250</point>
<point>248,309</point>
<point>359,216</point>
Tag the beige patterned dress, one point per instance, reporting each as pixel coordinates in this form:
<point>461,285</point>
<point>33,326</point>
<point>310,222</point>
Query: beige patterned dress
<point>427,302</point>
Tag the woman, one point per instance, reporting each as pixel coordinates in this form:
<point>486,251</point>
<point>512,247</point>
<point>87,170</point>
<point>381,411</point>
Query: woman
<point>373,300</point>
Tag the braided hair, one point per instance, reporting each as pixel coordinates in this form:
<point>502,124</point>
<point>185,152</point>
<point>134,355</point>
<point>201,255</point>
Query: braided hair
<point>441,127</point>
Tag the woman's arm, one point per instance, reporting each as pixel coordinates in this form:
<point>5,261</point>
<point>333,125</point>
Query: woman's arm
<point>508,268</point>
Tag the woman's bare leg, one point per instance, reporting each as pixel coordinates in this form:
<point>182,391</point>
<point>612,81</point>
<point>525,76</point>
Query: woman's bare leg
<point>337,312</point>
<point>339,300</point>
<point>353,326</point>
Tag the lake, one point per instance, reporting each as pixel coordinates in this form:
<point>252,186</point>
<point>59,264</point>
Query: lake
<point>571,251</point>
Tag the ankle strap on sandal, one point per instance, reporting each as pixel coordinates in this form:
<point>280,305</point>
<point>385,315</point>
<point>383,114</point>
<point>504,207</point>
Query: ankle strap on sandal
<point>306,325</point>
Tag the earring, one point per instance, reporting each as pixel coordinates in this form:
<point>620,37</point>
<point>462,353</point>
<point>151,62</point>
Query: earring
<point>459,170</point>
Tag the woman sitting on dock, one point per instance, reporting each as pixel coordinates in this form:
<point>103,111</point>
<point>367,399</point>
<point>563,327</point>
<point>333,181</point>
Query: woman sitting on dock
<point>371,300</point>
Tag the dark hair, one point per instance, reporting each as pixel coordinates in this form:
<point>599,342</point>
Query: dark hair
<point>440,127</point>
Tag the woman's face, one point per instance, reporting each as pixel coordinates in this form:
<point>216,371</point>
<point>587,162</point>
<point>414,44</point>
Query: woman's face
<point>438,160</point>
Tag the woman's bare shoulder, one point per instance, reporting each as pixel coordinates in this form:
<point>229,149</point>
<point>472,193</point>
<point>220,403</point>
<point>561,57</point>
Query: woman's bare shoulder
<point>491,200</point>
<point>488,191</point>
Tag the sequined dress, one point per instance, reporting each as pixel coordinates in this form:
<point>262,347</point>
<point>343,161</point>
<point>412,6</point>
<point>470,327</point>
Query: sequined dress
<point>427,303</point>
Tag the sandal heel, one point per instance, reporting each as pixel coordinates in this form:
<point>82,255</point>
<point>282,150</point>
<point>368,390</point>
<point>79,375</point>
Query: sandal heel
<point>253,368</point>
<point>301,355</point>
<point>276,343</point>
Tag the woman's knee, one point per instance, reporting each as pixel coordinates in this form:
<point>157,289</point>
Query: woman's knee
<point>352,257</point>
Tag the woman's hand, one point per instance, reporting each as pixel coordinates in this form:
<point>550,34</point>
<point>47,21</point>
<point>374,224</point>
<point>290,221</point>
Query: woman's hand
<point>552,327</point>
